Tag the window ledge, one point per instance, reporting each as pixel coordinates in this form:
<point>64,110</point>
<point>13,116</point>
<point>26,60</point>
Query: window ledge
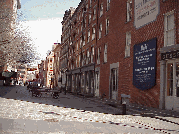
<point>106,34</point>
<point>126,57</point>
<point>127,21</point>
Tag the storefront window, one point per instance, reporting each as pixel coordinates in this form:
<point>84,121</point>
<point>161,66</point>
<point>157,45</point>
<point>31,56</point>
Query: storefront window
<point>177,79</point>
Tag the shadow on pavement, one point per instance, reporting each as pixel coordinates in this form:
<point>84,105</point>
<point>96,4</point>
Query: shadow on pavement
<point>86,104</point>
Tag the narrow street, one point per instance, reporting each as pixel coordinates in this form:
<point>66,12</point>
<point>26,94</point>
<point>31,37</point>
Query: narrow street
<point>22,113</point>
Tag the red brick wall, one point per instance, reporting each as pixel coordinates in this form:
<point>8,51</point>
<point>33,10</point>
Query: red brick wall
<point>116,50</point>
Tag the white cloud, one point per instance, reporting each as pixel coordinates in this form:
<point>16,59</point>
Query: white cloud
<point>45,33</point>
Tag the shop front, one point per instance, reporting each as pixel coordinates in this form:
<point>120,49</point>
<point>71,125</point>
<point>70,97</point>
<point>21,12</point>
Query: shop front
<point>169,98</point>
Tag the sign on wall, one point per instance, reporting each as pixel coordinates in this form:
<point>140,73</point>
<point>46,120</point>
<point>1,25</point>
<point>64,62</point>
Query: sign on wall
<point>170,55</point>
<point>144,64</point>
<point>145,11</point>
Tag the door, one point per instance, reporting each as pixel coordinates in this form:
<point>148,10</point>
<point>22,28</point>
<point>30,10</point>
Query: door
<point>113,84</point>
<point>97,84</point>
<point>172,85</point>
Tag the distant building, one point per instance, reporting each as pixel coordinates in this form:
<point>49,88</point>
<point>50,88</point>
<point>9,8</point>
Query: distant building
<point>49,76</point>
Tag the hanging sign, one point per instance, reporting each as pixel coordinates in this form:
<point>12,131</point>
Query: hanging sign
<point>145,11</point>
<point>144,64</point>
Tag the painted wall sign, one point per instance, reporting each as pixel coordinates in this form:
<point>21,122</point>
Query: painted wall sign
<point>170,55</point>
<point>145,11</point>
<point>144,64</point>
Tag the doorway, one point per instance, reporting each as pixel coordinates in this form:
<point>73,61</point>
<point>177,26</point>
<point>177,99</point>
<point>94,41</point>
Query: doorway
<point>172,85</point>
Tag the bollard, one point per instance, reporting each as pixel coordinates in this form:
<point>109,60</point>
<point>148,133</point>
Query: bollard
<point>124,108</point>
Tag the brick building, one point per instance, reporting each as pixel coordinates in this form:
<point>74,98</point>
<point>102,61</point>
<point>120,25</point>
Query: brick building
<point>49,69</point>
<point>134,56</point>
<point>56,66</point>
<point>41,68</point>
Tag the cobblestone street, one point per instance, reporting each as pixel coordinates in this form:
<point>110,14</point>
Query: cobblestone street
<point>22,113</point>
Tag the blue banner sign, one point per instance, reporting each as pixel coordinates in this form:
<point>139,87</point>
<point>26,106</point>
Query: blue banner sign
<point>144,64</point>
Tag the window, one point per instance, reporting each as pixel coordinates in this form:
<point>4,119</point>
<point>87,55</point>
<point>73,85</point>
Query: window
<point>129,10</point>
<point>108,5</point>
<point>107,26</point>
<point>89,21</point>
<point>93,33</point>
<point>81,41</point>
<point>77,45</point>
<point>50,66</point>
<point>84,22</point>
<point>84,37</point>
<point>90,3</point>
<point>101,10</point>
<point>169,32</point>
<point>128,44</point>
<point>84,59</point>
<point>100,30</point>
<point>92,54</point>
<point>113,79</point>
<point>88,35</point>
<point>79,60</point>
<point>86,6</point>
<point>105,53</point>
<point>94,14</point>
<point>76,62</point>
<point>88,57</point>
<point>98,56</point>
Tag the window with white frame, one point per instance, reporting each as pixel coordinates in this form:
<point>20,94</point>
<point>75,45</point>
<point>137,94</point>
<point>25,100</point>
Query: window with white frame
<point>100,30</point>
<point>88,35</point>
<point>90,1</point>
<point>84,37</point>
<point>128,44</point>
<point>86,6</point>
<point>101,9</point>
<point>92,54</point>
<point>129,10</point>
<point>79,60</point>
<point>98,56</point>
<point>81,41</point>
<point>113,79</point>
<point>87,57</point>
<point>89,21</point>
<point>105,53</point>
<point>94,13</point>
<point>84,22</point>
<point>51,66</point>
<point>107,25</point>
<point>77,45</point>
<point>84,59</point>
<point>108,5</point>
<point>93,33</point>
<point>76,62</point>
<point>169,31</point>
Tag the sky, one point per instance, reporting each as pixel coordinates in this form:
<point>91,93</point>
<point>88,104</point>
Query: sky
<point>42,19</point>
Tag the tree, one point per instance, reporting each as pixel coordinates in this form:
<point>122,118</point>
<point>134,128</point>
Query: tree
<point>16,45</point>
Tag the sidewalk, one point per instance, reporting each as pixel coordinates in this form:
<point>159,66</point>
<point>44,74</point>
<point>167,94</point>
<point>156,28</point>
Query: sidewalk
<point>135,109</point>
